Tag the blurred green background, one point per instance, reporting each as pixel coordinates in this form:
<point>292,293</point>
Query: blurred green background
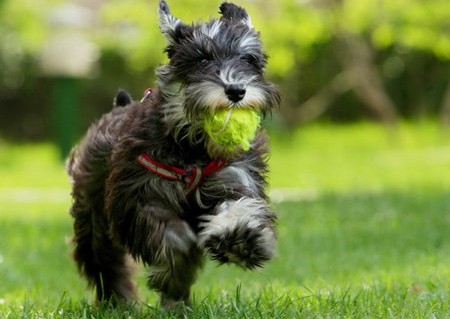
<point>359,167</point>
<point>334,60</point>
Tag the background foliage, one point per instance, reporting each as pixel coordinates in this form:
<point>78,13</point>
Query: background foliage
<point>338,60</point>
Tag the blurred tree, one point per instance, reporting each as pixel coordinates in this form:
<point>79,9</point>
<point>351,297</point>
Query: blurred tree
<point>22,32</point>
<point>339,59</point>
<point>359,31</point>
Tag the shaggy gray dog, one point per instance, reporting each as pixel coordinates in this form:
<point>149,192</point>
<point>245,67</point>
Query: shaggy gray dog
<point>149,183</point>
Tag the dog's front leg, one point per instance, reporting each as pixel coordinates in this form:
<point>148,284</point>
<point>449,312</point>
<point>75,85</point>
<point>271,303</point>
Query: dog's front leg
<point>168,245</point>
<point>240,231</point>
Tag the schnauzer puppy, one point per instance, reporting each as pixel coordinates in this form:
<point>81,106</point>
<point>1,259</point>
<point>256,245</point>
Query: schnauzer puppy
<point>150,184</point>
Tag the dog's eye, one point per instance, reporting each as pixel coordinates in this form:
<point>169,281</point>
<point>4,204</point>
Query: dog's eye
<point>205,59</point>
<point>249,58</point>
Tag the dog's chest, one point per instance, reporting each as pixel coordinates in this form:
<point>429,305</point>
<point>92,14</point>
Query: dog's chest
<point>201,186</point>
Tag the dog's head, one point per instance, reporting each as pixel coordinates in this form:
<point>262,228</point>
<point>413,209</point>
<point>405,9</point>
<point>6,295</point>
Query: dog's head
<point>213,65</point>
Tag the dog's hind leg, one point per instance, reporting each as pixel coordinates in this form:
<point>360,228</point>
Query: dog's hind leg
<point>106,266</point>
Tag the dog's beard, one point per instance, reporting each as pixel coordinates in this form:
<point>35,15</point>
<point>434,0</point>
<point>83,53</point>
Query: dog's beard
<point>205,98</point>
<point>187,105</point>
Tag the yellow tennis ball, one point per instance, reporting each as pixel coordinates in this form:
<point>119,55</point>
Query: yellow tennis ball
<point>232,128</point>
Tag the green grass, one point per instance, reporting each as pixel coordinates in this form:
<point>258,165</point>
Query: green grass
<point>361,157</point>
<point>363,233</point>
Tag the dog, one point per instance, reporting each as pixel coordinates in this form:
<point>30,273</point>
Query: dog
<point>148,183</point>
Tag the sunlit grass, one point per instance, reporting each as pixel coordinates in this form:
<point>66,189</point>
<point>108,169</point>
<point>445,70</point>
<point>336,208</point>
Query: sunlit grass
<point>361,157</point>
<point>31,166</point>
<point>337,255</point>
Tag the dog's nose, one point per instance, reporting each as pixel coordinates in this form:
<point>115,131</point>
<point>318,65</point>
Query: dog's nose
<point>235,92</point>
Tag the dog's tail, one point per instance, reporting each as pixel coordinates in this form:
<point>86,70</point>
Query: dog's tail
<point>123,98</point>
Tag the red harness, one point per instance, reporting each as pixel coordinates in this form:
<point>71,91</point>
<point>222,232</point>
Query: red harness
<point>191,178</point>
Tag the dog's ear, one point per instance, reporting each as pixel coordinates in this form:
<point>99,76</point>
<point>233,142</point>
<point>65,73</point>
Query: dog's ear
<point>170,26</point>
<point>235,14</point>
<point>122,98</point>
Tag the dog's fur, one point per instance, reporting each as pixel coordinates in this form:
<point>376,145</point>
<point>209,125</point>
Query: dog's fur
<point>121,210</point>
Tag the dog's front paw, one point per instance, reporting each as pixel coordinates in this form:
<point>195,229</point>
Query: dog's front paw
<point>241,232</point>
<point>246,247</point>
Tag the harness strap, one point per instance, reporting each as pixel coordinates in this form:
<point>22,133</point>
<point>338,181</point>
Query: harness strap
<point>191,177</point>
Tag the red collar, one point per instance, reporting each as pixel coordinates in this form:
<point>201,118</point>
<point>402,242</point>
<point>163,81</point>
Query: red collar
<point>191,177</point>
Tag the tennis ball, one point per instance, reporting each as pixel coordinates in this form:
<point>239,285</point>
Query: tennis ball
<point>232,128</point>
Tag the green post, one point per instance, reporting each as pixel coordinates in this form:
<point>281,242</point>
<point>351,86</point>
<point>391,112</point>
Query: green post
<point>65,113</point>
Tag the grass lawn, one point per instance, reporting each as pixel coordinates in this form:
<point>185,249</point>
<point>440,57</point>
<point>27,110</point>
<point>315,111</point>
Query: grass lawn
<point>363,233</point>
